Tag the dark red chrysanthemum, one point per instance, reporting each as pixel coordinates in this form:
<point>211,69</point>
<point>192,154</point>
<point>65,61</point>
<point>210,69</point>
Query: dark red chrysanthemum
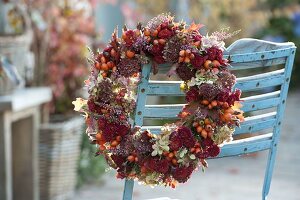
<point>185,73</point>
<point>213,150</point>
<point>157,49</point>
<point>192,94</point>
<point>207,142</point>
<point>202,155</point>
<point>159,59</point>
<point>234,97</point>
<point>198,60</point>
<point>175,141</point>
<point>121,129</point>
<point>187,136</point>
<point>214,53</point>
<point>130,38</point>
<point>108,133</point>
<point>223,95</point>
<point>182,174</point>
<point>102,123</point>
<point>165,34</point>
<point>118,160</point>
<point>158,165</point>
<point>197,37</point>
<point>93,107</point>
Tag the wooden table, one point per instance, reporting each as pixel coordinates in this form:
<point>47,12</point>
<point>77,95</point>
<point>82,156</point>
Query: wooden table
<point>19,123</point>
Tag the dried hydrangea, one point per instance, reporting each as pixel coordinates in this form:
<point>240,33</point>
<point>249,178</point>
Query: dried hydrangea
<point>161,144</point>
<point>172,49</point>
<point>140,44</point>
<point>104,92</point>
<point>223,134</point>
<point>143,142</point>
<point>224,34</point>
<point>226,80</point>
<point>126,146</point>
<point>208,91</point>
<point>155,22</point>
<point>185,73</point>
<point>128,67</point>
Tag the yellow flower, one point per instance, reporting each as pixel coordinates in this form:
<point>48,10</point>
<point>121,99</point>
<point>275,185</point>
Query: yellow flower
<point>79,103</point>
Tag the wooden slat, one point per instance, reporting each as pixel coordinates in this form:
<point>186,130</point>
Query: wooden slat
<point>259,56</point>
<point>257,82</point>
<point>259,102</point>
<point>162,111</point>
<point>256,123</point>
<point>253,103</point>
<point>249,83</point>
<point>251,124</point>
<point>252,60</point>
<point>239,65</point>
<point>245,146</point>
<point>250,104</point>
<point>165,88</point>
<point>257,64</point>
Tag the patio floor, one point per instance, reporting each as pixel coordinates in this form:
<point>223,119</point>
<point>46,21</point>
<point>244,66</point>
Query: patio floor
<point>227,178</point>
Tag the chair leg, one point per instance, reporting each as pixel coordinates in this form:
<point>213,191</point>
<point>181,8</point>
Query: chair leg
<point>269,172</point>
<point>128,189</point>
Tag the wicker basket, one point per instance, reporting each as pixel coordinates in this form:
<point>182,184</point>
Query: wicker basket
<point>59,153</point>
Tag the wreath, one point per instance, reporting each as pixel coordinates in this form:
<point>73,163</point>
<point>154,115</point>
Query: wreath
<point>207,121</point>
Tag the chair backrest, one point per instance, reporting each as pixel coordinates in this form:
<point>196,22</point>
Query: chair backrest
<point>263,70</point>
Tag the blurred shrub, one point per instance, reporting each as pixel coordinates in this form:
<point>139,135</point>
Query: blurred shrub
<point>284,25</point>
<point>90,167</point>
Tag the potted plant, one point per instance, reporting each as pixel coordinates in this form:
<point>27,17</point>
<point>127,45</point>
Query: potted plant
<point>61,47</point>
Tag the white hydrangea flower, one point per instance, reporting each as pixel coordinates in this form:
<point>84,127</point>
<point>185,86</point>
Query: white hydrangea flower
<point>212,41</point>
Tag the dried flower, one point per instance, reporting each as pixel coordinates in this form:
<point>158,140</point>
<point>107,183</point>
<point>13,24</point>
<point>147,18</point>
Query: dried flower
<point>226,80</point>
<point>223,34</point>
<point>161,144</point>
<point>165,33</point>
<point>155,22</point>
<point>182,174</point>
<point>208,91</point>
<point>186,136</point>
<point>105,93</point>
<point>192,94</point>
<point>184,72</point>
<point>143,143</point>
<point>198,60</point>
<point>172,49</point>
<point>158,165</point>
<point>214,53</point>
<point>222,134</point>
<point>213,150</point>
<point>128,67</point>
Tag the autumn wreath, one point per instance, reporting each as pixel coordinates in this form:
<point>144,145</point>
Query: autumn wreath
<point>205,123</point>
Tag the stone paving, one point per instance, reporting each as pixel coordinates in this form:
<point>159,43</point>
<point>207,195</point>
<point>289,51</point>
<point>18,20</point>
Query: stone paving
<point>227,178</point>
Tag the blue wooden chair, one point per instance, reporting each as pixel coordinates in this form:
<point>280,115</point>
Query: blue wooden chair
<point>266,91</point>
